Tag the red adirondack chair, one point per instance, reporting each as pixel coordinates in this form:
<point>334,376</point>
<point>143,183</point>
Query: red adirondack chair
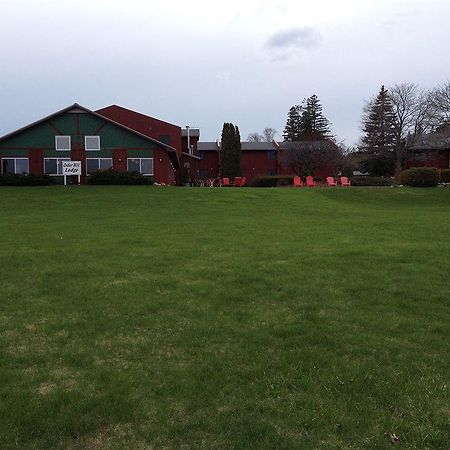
<point>310,181</point>
<point>225,182</point>
<point>237,181</point>
<point>298,181</point>
<point>345,182</point>
<point>243,181</point>
<point>331,182</point>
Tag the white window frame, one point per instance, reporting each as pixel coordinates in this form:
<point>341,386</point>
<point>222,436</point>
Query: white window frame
<point>63,149</point>
<point>92,149</point>
<point>98,159</point>
<point>140,166</point>
<point>15,163</point>
<point>66,158</point>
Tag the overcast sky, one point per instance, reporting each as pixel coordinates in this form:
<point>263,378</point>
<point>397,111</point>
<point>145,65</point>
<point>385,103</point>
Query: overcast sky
<point>202,63</point>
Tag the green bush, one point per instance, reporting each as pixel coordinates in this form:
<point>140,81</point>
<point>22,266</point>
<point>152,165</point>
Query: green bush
<point>10,179</point>
<point>420,177</point>
<point>365,180</point>
<point>445,176</point>
<point>113,177</point>
<point>273,181</point>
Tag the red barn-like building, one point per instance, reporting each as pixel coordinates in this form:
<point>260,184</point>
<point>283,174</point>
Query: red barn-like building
<point>183,140</point>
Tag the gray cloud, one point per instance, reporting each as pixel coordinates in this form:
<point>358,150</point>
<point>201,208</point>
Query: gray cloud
<point>295,38</point>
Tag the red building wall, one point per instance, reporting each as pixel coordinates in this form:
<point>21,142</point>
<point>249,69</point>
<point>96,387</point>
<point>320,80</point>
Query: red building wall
<point>209,164</point>
<point>149,126</point>
<point>441,160</point>
<point>257,164</point>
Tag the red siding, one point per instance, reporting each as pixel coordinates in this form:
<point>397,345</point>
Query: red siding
<point>441,160</point>
<point>36,161</point>
<point>153,128</point>
<point>120,160</point>
<point>257,164</point>
<point>210,163</point>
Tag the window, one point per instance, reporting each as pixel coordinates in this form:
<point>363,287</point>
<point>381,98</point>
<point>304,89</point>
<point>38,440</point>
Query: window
<point>271,173</point>
<point>15,165</point>
<point>53,166</point>
<point>92,143</point>
<point>141,165</point>
<point>93,164</point>
<point>62,143</point>
<point>165,139</point>
<point>201,155</point>
<point>271,155</point>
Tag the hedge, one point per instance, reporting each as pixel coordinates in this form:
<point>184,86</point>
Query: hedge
<point>420,177</point>
<point>445,176</point>
<point>10,179</point>
<point>111,177</point>
<point>365,180</point>
<point>273,181</point>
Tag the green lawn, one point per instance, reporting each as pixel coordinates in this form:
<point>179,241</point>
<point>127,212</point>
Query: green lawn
<point>176,318</point>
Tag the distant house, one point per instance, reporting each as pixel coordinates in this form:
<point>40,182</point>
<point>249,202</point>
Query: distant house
<point>430,150</point>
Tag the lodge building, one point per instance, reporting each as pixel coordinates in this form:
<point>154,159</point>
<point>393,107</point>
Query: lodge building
<point>125,140</point>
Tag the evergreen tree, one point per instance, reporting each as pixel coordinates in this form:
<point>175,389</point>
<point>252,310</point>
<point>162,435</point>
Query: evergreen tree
<point>230,151</point>
<point>379,140</point>
<point>313,124</point>
<point>292,129</point>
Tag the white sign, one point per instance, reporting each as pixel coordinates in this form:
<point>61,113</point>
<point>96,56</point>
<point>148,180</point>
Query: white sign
<point>71,168</point>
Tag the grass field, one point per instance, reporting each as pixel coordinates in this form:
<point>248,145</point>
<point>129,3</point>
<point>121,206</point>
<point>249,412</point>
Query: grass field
<point>145,317</point>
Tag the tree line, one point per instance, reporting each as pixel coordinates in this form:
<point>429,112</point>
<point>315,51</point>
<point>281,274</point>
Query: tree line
<point>391,122</point>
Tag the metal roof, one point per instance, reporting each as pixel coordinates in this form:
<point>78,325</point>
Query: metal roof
<point>193,132</point>
<point>245,146</point>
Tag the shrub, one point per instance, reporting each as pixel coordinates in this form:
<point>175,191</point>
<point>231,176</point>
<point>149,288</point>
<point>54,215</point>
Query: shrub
<point>365,180</point>
<point>110,176</point>
<point>10,179</point>
<point>273,181</point>
<point>347,172</point>
<point>420,177</point>
<point>445,176</point>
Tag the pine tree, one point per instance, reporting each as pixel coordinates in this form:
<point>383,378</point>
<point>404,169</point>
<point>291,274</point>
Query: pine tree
<point>379,140</point>
<point>230,151</point>
<point>313,124</point>
<point>292,129</point>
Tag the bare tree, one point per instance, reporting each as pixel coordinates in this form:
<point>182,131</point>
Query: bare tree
<point>305,157</point>
<point>269,134</point>
<point>255,137</point>
<point>414,115</point>
<point>440,98</point>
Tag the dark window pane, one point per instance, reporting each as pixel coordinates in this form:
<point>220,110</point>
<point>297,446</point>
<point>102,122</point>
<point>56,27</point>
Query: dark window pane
<point>147,166</point>
<point>105,164</point>
<point>165,139</point>
<point>8,166</point>
<point>50,166</point>
<point>133,165</point>
<point>91,165</point>
<point>22,165</point>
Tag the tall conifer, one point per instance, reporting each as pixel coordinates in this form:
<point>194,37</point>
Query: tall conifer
<point>292,129</point>
<point>230,151</point>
